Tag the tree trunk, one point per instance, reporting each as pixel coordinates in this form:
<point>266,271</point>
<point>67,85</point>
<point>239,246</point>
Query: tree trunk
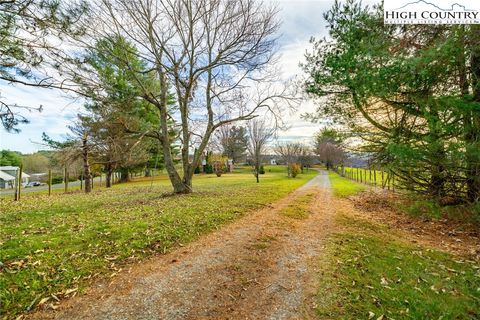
<point>179,185</point>
<point>86,166</point>
<point>108,175</point>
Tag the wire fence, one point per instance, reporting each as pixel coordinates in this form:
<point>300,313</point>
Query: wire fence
<point>384,179</point>
<point>16,188</point>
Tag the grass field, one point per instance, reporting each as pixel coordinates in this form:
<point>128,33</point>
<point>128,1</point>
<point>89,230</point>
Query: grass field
<point>51,247</point>
<point>371,273</point>
<point>343,187</point>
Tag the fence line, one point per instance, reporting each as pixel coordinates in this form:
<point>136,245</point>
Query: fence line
<point>17,186</point>
<point>369,176</point>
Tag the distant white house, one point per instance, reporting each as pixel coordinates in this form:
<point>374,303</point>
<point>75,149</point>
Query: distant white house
<point>273,161</point>
<point>7,177</point>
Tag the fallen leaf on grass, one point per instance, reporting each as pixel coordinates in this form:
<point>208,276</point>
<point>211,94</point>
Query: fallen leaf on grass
<point>69,291</point>
<point>19,263</point>
<point>52,306</point>
<point>111,258</point>
<point>384,282</point>
<point>43,301</point>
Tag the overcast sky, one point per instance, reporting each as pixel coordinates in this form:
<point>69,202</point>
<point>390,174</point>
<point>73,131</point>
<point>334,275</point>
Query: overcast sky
<point>301,20</point>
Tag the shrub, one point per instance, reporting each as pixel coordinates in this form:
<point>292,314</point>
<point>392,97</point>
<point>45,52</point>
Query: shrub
<point>295,170</point>
<point>262,170</point>
<point>197,170</point>
<point>57,179</point>
<point>208,168</point>
<point>218,164</point>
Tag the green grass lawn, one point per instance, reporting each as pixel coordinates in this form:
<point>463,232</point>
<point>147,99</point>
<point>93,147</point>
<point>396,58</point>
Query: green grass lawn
<point>343,187</point>
<point>371,273</point>
<point>51,247</point>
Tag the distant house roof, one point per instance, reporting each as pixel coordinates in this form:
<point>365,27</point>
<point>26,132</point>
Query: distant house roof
<point>6,177</point>
<point>8,168</point>
<point>12,168</point>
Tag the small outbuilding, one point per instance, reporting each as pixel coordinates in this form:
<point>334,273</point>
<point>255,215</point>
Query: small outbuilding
<point>8,175</point>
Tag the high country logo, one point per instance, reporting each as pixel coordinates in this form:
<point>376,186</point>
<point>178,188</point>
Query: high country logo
<point>425,12</point>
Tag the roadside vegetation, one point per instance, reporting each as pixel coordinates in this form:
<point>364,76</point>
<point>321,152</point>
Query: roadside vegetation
<point>51,247</point>
<point>342,187</point>
<point>371,273</point>
<point>367,76</point>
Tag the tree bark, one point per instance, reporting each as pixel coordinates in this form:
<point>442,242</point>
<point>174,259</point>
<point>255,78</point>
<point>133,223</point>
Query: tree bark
<point>179,185</point>
<point>86,166</point>
<point>257,168</point>
<point>108,176</point>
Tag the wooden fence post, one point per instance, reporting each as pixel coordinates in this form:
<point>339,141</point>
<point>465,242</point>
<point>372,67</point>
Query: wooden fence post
<point>81,181</point>
<point>65,179</point>
<point>49,182</point>
<point>15,182</point>
<point>20,182</point>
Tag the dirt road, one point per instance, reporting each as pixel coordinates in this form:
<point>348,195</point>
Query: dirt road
<point>259,267</point>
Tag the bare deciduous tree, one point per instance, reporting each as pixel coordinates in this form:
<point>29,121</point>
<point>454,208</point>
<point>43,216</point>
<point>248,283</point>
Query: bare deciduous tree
<point>216,57</point>
<point>328,148</point>
<point>77,146</point>
<point>290,153</point>
<point>259,133</point>
<point>305,158</point>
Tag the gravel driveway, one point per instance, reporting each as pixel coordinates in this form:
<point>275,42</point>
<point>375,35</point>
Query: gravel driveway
<point>260,267</point>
